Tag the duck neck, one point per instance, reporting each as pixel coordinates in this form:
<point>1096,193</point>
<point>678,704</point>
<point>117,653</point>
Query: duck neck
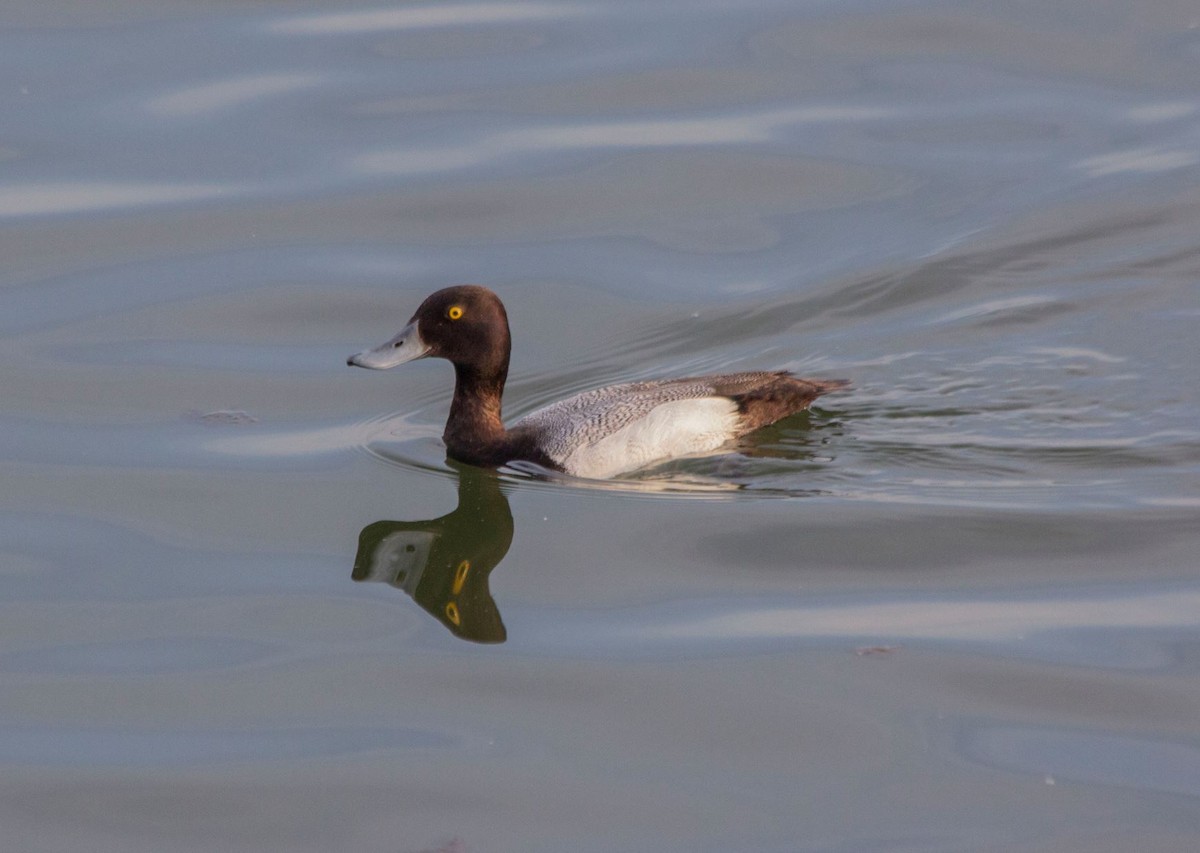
<point>474,424</point>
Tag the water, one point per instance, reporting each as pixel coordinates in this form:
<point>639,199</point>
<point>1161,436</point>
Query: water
<point>247,605</point>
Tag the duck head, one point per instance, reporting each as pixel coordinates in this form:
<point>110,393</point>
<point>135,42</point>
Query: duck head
<point>466,325</point>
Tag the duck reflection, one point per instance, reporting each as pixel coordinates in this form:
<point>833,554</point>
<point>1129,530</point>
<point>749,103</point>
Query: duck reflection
<point>444,563</point>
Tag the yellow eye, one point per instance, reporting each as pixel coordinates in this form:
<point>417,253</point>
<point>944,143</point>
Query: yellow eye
<point>455,312</point>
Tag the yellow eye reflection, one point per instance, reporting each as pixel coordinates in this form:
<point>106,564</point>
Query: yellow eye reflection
<point>460,577</point>
<point>454,312</point>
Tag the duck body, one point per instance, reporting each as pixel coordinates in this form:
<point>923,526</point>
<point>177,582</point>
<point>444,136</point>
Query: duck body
<point>595,434</point>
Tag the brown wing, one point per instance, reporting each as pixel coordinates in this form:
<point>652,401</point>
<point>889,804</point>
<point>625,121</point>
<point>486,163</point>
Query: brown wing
<point>782,396</point>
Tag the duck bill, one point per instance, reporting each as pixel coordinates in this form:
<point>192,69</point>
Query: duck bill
<point>406,346</point>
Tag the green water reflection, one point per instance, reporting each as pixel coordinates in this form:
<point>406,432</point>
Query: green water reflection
<point>443,563</point>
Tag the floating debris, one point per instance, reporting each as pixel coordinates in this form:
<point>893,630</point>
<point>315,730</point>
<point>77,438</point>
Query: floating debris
<point>863,651</point>
<point>221,417</point>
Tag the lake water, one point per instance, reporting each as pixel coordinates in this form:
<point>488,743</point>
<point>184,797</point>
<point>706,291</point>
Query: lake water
<point>246,604</point>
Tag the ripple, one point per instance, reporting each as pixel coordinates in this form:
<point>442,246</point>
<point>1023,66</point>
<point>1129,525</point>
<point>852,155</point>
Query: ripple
<point>991,621</point>
<point>419,17</point>
<point>47,198</point>
<point>1138,161</point>
<point>743,469</point>
<point>1043,626</point>
<point>312,441</point>
<point>1162,111</point>
<point>687,132</point>
<point>427,457</point>
<point>225,94</point>
<point>1140,761</point>
<point>117,747</point>
<point>1023,305</point>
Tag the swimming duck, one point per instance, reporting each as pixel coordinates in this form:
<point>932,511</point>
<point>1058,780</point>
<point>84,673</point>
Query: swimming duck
<point>596,434</point>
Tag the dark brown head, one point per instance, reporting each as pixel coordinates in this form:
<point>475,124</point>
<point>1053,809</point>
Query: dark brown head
<point>466,325</point>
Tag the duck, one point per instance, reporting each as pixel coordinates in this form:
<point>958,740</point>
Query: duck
<point>597,434</point>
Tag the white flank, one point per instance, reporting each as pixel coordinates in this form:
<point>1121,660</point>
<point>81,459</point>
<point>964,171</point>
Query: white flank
<point>677,428</point>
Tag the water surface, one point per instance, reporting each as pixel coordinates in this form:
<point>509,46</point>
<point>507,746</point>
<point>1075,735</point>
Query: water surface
<point>247,605</point>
